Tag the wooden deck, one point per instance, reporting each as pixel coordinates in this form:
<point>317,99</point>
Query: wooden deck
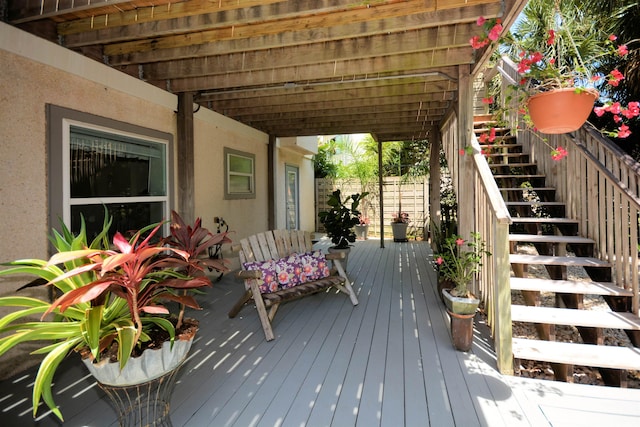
<point>387,362</point>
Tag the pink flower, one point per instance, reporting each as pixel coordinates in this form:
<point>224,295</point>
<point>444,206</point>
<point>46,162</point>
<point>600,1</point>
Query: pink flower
<point>494,33</point>
<point>459,241</point>
<point>481,20</point>
<point>623,50</point>
<point>483,138</point>
<point>492,135</point>
<point>559,153</point>
<point>439,260</point>
<point>461,151</point>
<point>633,110</point>
<point>617,118</point>
<point>478,43</point>
<point>614,77</point>
<point>623,131</point>
<point>613,37</point>
<point>614,108</point>
<point>599,111</point>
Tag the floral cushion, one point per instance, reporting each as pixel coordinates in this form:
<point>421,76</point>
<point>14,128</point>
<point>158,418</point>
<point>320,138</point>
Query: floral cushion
<point>289,271</point>
<point>314,265</point>
<point>269,281</point>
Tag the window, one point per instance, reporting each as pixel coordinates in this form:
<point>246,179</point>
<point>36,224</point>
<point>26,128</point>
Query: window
<point>239,175</point>
<point>97,163</point>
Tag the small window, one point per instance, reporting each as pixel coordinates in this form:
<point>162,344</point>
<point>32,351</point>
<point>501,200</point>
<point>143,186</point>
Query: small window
<point>239,175</point>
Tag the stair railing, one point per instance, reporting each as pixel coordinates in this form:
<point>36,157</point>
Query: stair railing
<point>600,185</point>
<point>491,219</point>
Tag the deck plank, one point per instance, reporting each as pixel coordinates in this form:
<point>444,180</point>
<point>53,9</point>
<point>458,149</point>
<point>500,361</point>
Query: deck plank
<point>387,362</point>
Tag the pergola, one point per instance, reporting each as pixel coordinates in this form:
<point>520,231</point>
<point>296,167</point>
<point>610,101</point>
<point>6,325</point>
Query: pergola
<point>392,68</point>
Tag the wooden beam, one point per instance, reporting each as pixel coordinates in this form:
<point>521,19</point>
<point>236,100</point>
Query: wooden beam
<point>337,31</point>
<point>418,62</point>
<point>416,41</point>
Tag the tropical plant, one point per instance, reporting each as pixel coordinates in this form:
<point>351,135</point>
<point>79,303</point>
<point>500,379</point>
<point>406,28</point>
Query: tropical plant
<point>460,260</point>
<point>110,302</point>
<point>556,45</point>
<point>340,219</point>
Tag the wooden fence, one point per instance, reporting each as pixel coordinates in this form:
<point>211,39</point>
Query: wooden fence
<point>409,195</point>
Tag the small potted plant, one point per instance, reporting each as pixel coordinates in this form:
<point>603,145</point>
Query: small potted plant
<point>399,224</point>
<point>559,81</point>
<point>459,262</point>
<point>110,307</point>
<point>339,221</point>
<point>362,229</point>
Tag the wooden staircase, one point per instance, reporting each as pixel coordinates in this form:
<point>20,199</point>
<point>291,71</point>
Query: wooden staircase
<point>540,222</point>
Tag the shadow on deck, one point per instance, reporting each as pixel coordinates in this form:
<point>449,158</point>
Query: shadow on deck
<point>387,362</point>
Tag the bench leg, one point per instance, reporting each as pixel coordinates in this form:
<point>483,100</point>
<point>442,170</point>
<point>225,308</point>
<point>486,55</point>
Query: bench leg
<point>238,305</point>
<point>347,284</point>
<point>262,312</point>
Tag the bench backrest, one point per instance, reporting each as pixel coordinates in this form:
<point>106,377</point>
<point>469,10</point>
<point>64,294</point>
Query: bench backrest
<point>274,244</point>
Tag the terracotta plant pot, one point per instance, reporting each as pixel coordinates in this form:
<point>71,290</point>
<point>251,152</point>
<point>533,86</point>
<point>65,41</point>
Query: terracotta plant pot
<point>561,110</point>
<point>461,330</point>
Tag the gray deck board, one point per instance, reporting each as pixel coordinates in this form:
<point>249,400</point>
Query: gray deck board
<point>387,362</point>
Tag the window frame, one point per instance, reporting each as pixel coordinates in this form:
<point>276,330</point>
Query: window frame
<point>228,194</point>
<point>60,121</point>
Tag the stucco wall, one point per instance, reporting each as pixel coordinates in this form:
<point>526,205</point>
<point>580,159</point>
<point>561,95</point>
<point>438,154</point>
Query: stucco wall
<point>36,73</point>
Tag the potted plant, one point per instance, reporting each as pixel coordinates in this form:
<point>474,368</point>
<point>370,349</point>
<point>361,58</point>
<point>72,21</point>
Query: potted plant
<point>111,306</point>
<point>559,77</point>
<point>399,224</point>
<point>459,262</point>
<point>339,221</point>
<point>362,228</point>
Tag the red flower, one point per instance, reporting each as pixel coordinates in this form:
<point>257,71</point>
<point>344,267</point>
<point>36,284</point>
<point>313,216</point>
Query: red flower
<point>599,111</point>
<point>439,260</point>
<point>483,138</point>
<point>613,37</point>
<point>461,151</point>
<point>552,37</point>
<point>492,135</point>
<point>488,100</point>
<point>459,241</point>
<point>559,153</point>
<point>623,131</point>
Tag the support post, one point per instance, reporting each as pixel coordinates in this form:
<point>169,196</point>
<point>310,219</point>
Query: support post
<point>435,212</point>
<point>186,175</point>
<point>381,192</point>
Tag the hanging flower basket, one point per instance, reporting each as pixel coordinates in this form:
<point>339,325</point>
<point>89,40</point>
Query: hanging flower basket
<point>561,110</point>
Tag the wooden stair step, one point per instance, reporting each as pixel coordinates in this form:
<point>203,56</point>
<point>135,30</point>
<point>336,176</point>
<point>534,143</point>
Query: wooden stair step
<point>604,356</point>
<point>542,220</point>
<point>511,165</point>
<point>535,203</point>
<point>549,238</point>
<point>533,176</point>
<point>573,317</point>
<point>502,155</point>
<point>557,260</point>
<point>527,188</point>
<point>585,287</point>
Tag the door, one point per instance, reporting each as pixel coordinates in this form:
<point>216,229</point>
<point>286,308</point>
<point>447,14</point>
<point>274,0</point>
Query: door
<point>292,194</point>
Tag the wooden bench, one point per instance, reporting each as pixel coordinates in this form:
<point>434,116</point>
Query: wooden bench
<point>277,245</point>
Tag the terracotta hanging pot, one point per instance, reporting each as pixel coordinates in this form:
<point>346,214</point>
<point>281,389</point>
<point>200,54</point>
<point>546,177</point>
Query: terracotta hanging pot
<point>561,110</point>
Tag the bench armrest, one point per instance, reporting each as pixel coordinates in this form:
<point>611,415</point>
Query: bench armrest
<point>249,274</point>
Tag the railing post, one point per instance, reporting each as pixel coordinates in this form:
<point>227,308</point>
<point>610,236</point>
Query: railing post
<point>502,300</point>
